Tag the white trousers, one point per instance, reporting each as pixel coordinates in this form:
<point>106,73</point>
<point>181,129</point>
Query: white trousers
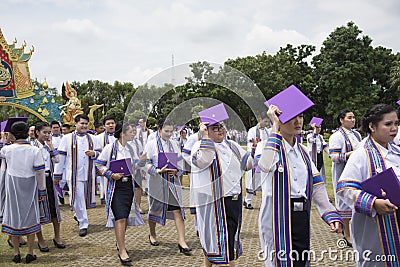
<point>80,205</point>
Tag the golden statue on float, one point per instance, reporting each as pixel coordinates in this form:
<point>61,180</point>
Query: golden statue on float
<point>73,106</point>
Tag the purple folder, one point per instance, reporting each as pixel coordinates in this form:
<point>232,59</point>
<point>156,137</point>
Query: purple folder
<point>121,166</point>
<point>214,114</point>
<point>169,158</point>
<point>317,121</point>
<point>384,185</point>
<point>59,190</point>
<point>10,121</point>
<point>291,102</point>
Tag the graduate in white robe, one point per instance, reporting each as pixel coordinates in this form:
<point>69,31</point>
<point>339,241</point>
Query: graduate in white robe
<point>375,221</point>
<point>165,191</point>
<point>290,181</point>
<point>139,172</point>
<point>216,193</point>
<point>77,153</point>
<point>103,139</point>
<point>24,187</point>
<point>50,212</point>
<point>117,187</point>
<point>316,146</point>
<point>342,143</point>
<point>255,135</point>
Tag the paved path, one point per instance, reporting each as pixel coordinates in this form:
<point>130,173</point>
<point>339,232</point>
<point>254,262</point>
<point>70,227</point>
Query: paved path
<point>98,247</point>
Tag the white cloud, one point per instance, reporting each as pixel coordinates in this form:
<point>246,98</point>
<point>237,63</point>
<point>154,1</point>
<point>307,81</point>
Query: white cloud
<point>263,38</point>
<point>78,27</point>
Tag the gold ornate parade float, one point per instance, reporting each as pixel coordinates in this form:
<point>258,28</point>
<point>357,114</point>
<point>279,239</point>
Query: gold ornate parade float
<point>19,91</point>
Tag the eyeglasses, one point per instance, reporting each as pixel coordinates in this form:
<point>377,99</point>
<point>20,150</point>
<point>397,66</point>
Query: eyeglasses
<point>217,128</point>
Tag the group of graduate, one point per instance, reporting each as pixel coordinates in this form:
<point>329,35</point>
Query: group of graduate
<point>289,175</point>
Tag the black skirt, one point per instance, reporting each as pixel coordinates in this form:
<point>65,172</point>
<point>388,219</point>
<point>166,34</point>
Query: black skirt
<point>50,195</point>
<point>122,199</point>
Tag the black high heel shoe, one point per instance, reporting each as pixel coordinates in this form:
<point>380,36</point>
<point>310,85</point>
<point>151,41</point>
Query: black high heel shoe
<point>154,243</point>
<point>58,245</point>
<point>29,258</point>
<point>349,244</point>
<point>17,258</point>
<point>183,250</point>
<point>45,249</point>
<point>126,262</point>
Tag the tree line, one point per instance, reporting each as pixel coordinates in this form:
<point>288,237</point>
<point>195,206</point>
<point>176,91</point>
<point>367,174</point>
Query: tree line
<point>347,72</point>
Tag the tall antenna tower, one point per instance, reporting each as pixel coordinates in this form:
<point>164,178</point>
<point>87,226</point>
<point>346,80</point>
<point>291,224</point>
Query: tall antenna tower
<point>172,71</point>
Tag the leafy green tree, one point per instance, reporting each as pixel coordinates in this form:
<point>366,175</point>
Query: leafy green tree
<point>344,72</point>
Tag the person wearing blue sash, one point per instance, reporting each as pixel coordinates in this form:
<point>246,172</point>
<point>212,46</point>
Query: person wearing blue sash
<point>77,153</point>
<point>290,181</point>
<point>375,222</point>
<point>216,193</point>
<point>24,188</point>
<point>165,191</point>
<point>342,143</point>
<point>50,211</point>
<point>121,208</point>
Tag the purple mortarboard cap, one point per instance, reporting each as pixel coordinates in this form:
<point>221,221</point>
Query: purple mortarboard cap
<point>384,185</point>
<point>398,102</point>
<point>10,122</point>
<point>121,166</point>
<point>291,102</point>
<point>317,121</point>
<point>214,114</point>
<point>3,125</point>
<point>180,128</point>
<point>169,158</point>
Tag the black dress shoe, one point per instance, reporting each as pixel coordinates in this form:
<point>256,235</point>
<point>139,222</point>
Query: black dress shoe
<point>9,243</point>
<point>62,200</point>
<point>154,243</point>
<point>17,258</point>
<point>45,249</point>
<point>23,243</point>
<point>58,245</point>
<point>83,232</point>
<point>76,219</point>
<point>183,250</point>
<point>350,245</point>
<point>126,262</point>
<point>248,206</point>
<point>29,258</point>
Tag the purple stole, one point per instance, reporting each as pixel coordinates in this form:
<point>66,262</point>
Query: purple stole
<point>349,146</point>
<point>161,219</point>
<point>281,213</point>
<point>90,202</point>
<point>388,226</point>
<point>219,207</point>
<point>111,182</point>
<point>44,205</point>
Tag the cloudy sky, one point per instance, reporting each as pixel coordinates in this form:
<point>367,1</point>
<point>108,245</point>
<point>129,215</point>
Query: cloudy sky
<point>109,40</point>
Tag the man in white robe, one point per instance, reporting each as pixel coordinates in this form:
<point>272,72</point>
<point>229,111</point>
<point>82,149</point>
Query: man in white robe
<point>77,152</point>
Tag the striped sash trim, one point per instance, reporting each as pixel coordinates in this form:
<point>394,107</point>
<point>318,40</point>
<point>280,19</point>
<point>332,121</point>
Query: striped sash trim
<point>388,226</point>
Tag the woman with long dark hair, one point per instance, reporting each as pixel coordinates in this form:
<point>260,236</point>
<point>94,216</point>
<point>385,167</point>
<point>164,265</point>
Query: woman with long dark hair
<point>375,221</point>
